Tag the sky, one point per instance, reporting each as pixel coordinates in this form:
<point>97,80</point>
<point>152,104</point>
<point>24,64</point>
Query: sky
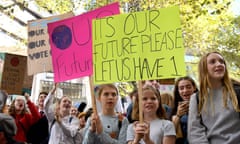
<point>236,7</point>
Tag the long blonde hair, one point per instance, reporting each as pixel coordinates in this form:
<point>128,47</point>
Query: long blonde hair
<point>205,84</point>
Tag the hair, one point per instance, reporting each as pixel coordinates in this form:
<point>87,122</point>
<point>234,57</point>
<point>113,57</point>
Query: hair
<point>88,113</point>
<point>176,94</point>
<point>204,81</point>
<point>43,92</point>
<point>12,111</point>
<point>133,93</point>
<point>160,111</point>
<point>103,86</point>
<point>167,99</point>
<point>82,114</point>
<point>58,104</point>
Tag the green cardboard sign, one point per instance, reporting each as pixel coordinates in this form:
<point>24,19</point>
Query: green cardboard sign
<point>138,46</point>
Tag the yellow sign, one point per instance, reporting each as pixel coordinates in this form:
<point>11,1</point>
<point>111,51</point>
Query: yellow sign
<point>138,46</point>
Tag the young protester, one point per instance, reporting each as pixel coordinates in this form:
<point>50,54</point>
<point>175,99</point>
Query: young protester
<point>25,115</point>
<point>62,129</point>
<point>155,129</point>
<point>133,96</point>
<point>107,127</point>
<point>73,111</point>
<point>82,122</point>
<point>38,132</point>
<point>214,111</point>
<point>183,89</point>
<point>167,102</point>
<point>154,83</point>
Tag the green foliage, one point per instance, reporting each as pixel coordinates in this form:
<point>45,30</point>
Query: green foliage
<point>125,88</point>
<point>207,25</point>
<point>56,6</point>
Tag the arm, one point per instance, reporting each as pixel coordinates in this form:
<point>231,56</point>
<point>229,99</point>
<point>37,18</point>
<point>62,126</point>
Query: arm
<point>71,129</point>
<point>88,135</point>
<point>169,139</point>
<point>34,112</point>
<point>169,133</point>
<point>130,134</point>
<point>137,132</point>
<point>48,102</point>
<point>196,131</point>
<point>30,118</point>
<point>182,109</point>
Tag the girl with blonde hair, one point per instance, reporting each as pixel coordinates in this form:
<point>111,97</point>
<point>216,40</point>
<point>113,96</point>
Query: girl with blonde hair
<point>214,111</point>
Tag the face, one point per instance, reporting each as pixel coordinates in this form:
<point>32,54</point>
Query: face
<point>82,121</point>
<point>108,98</point>
<point>149,101</point>
<point>185,89</point>
<point>41,99</point>
<point>73,111</point>
<point>153,83</point>
<point>215,66</point>
<point>65,105</point>
<point>19,104</point>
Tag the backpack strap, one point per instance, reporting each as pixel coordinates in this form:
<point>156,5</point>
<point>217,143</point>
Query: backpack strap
<point>237,91</point>
<point>201,121</point>
<point>54,120</point>
<point>120,119</point>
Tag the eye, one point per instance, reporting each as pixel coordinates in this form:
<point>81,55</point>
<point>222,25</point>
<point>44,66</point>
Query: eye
<point>144,98</point>
<point>181,88</point>
<point>221,61</point>
<point>106,94</point>
<point>153,98</point>
<point>212,61</point>
<point>114,94</point>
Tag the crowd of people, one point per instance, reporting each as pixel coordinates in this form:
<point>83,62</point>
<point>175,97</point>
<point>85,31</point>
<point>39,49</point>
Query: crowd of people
<point>192,114</point>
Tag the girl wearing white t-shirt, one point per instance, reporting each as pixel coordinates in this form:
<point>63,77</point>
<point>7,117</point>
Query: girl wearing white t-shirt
<point>155,129</point>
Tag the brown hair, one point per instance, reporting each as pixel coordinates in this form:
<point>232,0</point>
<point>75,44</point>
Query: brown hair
<point>160,111</point>
<point>176,94</point>
<point>11,110</point>
<point>228,90</point>
<point>101,87</point>
<point>43,92</point>
<point>167,98</point>
<point>58,104</point>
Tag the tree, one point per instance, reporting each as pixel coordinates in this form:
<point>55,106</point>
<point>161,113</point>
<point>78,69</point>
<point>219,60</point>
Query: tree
<point>207,25</point>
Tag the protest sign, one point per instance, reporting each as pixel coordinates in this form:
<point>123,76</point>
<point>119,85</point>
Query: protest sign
<point>138,46</point>
<point>39,55</point>
<point>71,43</point>
<point>13,73</point>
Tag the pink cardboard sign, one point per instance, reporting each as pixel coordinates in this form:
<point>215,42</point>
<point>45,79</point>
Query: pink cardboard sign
<point>71,43</point>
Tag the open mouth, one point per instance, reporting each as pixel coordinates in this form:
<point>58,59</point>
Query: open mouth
<point>149,107</point>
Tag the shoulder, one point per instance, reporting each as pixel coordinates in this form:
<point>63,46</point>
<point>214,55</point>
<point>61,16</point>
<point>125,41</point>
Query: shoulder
<point>164,123</point>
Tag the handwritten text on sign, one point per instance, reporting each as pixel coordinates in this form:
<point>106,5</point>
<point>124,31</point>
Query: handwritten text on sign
<point>138,46</point>
<point>71,43</point>
<point>39,54</point>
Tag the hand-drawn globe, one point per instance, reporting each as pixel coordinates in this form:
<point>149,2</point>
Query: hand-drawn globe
<point>62,37</point>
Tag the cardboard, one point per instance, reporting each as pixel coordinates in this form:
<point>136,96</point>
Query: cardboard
<point>39,54</point>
